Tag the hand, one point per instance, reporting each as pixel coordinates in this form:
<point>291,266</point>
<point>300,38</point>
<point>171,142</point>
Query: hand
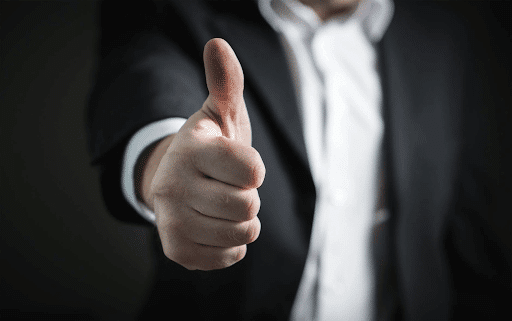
<point>204,192</point>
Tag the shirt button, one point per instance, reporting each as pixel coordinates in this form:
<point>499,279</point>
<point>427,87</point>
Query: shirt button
<point>339,197</point>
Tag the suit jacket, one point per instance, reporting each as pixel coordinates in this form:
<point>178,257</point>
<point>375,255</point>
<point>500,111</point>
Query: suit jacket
<point>445,251</point>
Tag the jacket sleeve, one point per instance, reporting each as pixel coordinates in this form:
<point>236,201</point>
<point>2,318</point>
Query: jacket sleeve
<point>143,76</point>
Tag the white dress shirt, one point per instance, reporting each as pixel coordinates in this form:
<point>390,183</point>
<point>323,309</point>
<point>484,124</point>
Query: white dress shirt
<point>339,98</point>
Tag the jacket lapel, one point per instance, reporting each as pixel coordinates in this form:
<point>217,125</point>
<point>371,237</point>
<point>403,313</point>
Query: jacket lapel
<point>422,138</point>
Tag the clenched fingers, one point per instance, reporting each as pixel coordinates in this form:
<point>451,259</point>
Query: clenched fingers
<point>229,161</point>
<point>217,199</point>
<point>195,256</point>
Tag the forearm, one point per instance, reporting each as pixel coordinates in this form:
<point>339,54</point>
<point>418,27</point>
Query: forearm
<point>145,169</point>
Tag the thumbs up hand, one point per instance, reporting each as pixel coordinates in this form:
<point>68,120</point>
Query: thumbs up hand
<point>204,192</point>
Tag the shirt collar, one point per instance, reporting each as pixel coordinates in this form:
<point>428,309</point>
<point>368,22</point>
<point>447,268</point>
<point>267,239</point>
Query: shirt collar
<point>374,16</point>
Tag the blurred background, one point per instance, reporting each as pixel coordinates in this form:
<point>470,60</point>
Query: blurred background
<point>63,256</point>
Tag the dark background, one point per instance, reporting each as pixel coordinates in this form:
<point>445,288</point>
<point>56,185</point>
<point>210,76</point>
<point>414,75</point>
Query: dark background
<point>62,254</point>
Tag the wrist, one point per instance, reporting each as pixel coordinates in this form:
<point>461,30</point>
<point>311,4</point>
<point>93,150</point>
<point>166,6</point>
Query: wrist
<point>146,167</point>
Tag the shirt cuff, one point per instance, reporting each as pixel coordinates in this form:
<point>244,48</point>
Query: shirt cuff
<point>142,139</point>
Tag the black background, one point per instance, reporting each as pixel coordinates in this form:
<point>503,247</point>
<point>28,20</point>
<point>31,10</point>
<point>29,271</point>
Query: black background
<point>62,254</point>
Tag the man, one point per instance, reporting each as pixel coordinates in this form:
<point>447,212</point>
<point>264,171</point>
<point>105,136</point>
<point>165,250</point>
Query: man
<point>265,184</point>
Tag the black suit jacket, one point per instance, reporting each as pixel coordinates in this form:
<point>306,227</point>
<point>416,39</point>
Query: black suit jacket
<point>444,253</point>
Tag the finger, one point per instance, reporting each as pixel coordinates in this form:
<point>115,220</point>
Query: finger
<point>209,258</point>
<point>178,247</point>
<point>194,256</point>
<point>188,224</point>
<point>206,230</point>
<point>230,162</point>
<point>225,82</point>
<point>216,199</point>
<point>224,75</point>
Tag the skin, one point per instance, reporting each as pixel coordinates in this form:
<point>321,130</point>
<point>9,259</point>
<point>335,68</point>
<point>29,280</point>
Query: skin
<point>203,189</point>
<point>328,9</point>
<point>202,182</point>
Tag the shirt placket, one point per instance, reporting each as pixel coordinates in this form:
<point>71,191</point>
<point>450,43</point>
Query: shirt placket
<point>344,281</point>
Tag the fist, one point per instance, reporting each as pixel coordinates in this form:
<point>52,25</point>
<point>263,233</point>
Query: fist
<point>204,192</point>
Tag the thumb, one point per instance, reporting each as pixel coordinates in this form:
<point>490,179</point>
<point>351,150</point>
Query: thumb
<point>225,81</point>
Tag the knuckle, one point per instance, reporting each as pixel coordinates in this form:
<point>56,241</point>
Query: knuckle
<point>215,260</point>
<point>250,206</point>
<point>223,146</point>
<point>251,231</point>
<point>257,169</point>
<point>240,253</point>
<point>256,229</point>
<point>233,236</point>
<point>254,206</point>
<point>228,258</point>
<point>238,235</point>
